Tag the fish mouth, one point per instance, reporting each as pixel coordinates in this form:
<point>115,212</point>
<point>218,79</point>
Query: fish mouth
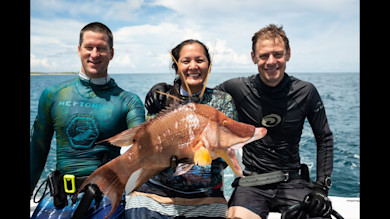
<point>259,133</point>
<point>229,154</point>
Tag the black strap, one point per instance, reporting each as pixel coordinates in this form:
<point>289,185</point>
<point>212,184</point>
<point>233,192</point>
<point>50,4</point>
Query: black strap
<point>91,192</point>
<point>44,191</point>
<point>264,178</point>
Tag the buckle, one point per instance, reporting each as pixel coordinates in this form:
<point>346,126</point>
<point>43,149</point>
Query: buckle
<point>287,176</point>
<point>69,183</point>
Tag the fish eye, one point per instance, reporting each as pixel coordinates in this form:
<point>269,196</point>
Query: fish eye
<point>224,122</point>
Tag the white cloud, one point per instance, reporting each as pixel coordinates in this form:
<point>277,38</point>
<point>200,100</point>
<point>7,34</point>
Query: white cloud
<point>147,46</point>
<point>36,62</point>
<point>225,56</point>
<point>122,10</point>
<point>53,44</point>
<point>322,33</point>
<point>101,9</point>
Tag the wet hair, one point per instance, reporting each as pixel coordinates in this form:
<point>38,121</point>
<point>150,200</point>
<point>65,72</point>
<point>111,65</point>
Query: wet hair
<point>176,51</point>
<point>270,32</point>
<point>100,28</point>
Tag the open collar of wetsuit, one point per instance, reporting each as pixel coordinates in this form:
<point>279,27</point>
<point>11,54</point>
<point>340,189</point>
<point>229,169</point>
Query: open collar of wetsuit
<point>184,93</point>
<point>95,81</point>
<point>263,88</point>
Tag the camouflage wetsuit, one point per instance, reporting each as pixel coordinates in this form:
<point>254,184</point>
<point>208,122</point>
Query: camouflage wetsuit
<point>80,113</point>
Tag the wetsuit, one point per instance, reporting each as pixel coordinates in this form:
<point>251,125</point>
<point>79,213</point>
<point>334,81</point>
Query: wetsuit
<point>80,113</point>
<point>196,193</point>
<point>282,110</point>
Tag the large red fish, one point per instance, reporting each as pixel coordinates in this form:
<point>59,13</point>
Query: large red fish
<point>196,132</point>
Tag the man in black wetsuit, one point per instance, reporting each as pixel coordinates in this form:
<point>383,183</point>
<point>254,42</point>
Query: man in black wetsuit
<point>279,102</point>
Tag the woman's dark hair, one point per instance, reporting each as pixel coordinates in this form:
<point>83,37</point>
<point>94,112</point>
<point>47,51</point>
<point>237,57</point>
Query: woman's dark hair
<point>176,51</point>
<point>175,90</point>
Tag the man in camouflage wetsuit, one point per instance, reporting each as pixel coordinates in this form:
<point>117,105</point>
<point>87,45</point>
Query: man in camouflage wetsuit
<point>81,111</point>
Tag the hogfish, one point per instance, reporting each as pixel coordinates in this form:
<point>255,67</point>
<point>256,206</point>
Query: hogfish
<point>194,132</point>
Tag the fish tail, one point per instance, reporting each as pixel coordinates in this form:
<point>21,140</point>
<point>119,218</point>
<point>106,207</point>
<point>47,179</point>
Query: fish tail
<point>111,179</point>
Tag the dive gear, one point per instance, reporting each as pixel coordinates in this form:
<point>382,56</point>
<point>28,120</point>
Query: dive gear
<point>69,180</point>
<point>294,101</point>
<point>297,209</point>
<point>328,182</point>
<point>318,203</point>
<point>154,102</point>
<point>265,178</point>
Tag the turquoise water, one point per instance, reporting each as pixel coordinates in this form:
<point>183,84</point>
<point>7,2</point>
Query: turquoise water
<point>340,93</point>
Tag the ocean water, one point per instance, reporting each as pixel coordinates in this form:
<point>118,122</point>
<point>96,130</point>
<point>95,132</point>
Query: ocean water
<point>340,93</point>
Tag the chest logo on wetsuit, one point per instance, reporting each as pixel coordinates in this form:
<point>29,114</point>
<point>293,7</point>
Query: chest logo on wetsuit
<point>82,131</point>
<point>271,120</point>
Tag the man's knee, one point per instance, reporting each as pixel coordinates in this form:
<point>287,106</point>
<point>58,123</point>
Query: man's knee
<point>238,212</point>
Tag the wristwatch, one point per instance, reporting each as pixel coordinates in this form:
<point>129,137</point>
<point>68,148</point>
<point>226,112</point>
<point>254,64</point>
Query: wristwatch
<point>328,182</point>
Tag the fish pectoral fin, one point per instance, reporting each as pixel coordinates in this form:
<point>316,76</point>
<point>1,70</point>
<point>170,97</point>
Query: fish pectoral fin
<point>202,157</point>
<point>182,168</point>
<point>124,138</point>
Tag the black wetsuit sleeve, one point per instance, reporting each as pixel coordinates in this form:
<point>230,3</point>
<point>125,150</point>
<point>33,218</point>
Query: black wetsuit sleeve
<point>323,135</point>
<point>221,87</point>
<point>234,87</point>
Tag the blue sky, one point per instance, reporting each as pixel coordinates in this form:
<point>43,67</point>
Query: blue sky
<point>324,34</point>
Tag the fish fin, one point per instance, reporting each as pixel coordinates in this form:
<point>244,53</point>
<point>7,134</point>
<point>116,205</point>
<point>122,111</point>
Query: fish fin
<point>124,138</point>
<point>182,168</point>
<point>169,95</point>
<point>111,179</point>
<point>231,160</point>
<point>202,157</point>
<point>169,108</point>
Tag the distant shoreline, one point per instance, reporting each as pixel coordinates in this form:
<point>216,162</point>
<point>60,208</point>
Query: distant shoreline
<point>53,73</point>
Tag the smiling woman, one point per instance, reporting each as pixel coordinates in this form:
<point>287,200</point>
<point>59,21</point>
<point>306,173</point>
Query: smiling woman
<point>198,192</point>
<point>194,66</point>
